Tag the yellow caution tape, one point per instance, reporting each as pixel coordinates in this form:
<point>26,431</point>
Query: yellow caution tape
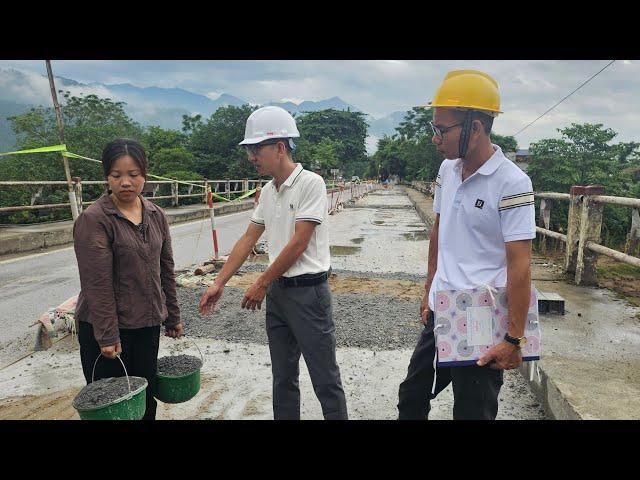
<point>63,149</point>
<point>53,148</point>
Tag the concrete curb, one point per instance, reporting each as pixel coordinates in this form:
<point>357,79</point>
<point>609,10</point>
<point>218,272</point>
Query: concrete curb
<point>427,216</point>
<point>556,404</point>
<point>13,243</point>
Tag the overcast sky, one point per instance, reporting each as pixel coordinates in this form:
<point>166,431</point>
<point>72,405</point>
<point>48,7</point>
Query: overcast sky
<point>379,87</point>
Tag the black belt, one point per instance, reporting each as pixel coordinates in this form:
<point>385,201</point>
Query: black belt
<point>306,280</point>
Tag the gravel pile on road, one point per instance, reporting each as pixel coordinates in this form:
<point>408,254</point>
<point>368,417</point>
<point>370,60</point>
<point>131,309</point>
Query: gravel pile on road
<point>377,322</point>
<point>374,322</point>
<point>258,267</point>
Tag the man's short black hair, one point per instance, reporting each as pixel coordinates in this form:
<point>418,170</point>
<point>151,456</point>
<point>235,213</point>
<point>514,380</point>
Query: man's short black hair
<point>485,119</point>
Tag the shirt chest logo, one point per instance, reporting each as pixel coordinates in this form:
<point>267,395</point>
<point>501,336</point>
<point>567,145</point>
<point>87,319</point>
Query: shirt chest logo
<point>479,203</point>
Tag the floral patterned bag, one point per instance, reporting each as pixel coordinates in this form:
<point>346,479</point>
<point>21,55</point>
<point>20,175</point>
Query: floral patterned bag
<point>470,322</point>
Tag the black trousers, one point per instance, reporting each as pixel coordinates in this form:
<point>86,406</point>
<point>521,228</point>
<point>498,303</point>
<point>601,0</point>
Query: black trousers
<point>475,389</point>
<point>139,355</point>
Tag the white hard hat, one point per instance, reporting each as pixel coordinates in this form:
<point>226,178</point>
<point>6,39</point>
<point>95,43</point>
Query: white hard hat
<point>269,122</point>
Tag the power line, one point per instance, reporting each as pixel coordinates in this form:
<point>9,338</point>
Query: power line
<point>579,87</point>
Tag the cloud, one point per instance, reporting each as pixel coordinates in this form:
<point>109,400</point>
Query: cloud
<point>32,88</point>
<point>25,87</point>
<point>380,87</point>
<point>296,101</point>
<point>371,144</point>
<point>214,95</point>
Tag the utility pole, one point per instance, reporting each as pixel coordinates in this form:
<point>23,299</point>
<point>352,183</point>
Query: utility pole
<point>65,160</point>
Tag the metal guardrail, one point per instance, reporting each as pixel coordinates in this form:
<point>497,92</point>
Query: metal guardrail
<point>221,187</point>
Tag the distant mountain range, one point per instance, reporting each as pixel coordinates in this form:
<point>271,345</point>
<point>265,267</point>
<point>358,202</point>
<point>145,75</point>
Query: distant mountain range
<point>386,125</point>
<point>19,91</point>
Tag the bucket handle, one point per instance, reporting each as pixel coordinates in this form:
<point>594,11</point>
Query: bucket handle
<point>199,351</point>
<point>125,370</point>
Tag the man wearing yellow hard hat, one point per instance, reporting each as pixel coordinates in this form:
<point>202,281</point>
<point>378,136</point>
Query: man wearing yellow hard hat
<point>485,221</point>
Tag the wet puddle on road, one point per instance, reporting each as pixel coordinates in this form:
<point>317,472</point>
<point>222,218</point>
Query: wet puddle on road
<point>416,236</point>
<point>341,251</point>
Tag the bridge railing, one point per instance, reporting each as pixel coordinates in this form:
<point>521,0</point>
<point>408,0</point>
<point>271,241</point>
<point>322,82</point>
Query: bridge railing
<point>584,225</point>
<point>424,187</point>
<point>224,188</point>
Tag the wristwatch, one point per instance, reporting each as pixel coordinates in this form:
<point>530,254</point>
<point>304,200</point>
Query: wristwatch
<point>518,342</point>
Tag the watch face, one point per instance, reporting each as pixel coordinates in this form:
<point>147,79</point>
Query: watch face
<point>522,341</point>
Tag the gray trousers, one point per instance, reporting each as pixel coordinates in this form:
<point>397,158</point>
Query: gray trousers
<point>299,320</point>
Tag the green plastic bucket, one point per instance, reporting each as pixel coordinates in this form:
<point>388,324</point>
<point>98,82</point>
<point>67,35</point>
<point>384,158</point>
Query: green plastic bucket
<point>178,389</point>
<point>130,407</point>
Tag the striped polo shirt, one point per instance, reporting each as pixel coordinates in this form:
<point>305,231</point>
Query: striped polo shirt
<point>301,197</point>
<point>477,217</point>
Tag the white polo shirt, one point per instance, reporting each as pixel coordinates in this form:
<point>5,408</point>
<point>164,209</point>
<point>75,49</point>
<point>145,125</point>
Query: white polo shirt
<point>303,196</point>
<point>477,217</point>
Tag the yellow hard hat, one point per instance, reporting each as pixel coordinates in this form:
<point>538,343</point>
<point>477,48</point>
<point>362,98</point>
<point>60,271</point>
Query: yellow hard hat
<point>468,89</point>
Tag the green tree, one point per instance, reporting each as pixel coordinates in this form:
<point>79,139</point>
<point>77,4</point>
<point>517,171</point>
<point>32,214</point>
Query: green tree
<point>168,160</point>
<point>506,143</point>
<point>581,156</point>
<point>215,144</point>
<point>191,123</point>
<point>155,138</point>
<point>324,154</point>
<point>416,123</point>
<point>409,153</point>
<point>90,123</point>
<point>584,156</point>
<point>346,130</point>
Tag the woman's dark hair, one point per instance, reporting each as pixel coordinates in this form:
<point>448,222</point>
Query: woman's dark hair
<point>121,147</point>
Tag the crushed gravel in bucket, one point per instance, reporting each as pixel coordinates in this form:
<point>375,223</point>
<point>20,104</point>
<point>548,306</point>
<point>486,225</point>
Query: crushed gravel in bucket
<point>103,392</point>
<point>178,365</point>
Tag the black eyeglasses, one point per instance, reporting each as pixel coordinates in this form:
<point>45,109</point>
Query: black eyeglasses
<point>254,149</point>
<point>439,131</point>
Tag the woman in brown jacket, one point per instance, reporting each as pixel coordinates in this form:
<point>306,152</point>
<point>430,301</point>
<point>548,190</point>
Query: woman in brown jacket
<point>128,287</point>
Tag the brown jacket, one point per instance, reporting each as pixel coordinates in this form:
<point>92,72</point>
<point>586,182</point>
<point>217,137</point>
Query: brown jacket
<point>126,276</point>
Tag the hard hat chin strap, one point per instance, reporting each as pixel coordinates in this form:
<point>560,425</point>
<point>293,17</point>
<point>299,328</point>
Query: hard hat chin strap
<point>292,145</point>
<point>465,133</point>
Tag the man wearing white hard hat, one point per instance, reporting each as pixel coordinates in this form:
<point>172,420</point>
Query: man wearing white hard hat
<point>292,212</point>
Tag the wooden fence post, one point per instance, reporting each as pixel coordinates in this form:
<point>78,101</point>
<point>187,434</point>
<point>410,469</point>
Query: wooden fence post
<point>590,228</point>
<point>77,186</point>
<point>174,192</point>
<point>545,219</point>
<point>634,232</point>
<point>573,227</point>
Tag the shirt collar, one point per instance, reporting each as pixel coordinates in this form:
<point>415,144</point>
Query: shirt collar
<point>490,165</point>
<point>109,207</point>
<point>292,178</point>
